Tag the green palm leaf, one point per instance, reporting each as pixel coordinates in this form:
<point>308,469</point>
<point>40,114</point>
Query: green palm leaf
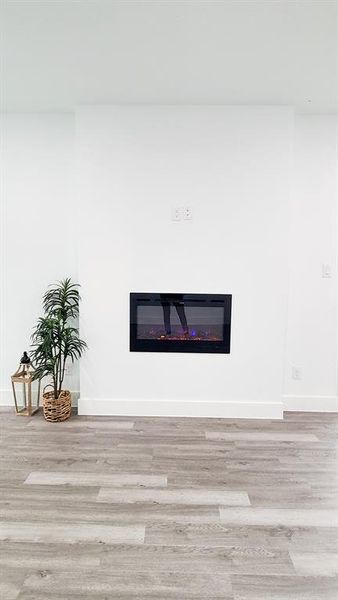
<point>55,338</point>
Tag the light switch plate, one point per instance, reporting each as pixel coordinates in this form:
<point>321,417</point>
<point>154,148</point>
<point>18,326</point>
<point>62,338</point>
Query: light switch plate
<point>176,213</point>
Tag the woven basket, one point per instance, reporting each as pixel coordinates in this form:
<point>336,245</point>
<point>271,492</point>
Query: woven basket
<point>57,410</point>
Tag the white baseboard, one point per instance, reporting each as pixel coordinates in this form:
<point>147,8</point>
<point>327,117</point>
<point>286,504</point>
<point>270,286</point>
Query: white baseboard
<point>6,398</point>
<point>311,403</point>
<point>175,408</point>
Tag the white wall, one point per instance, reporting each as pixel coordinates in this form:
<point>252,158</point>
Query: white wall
<point>231,165</point>
<point>37,227</point>
<point>312,311</point>
<point>39,246</point>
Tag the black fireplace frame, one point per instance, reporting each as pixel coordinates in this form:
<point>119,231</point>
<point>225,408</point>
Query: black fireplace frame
<point>191,346</point>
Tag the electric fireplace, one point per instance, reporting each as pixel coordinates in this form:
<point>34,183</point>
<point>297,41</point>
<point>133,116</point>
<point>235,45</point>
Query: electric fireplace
<point>170,322</point>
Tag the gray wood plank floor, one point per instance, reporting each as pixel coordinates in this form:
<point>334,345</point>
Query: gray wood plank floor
<point>169,509</point>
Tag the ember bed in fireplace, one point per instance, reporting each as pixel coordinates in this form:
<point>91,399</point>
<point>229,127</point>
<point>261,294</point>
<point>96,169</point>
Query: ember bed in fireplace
<point>180,322</point>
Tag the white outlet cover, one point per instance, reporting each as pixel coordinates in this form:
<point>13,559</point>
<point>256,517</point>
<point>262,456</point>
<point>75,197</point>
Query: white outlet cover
<point>326,271</point>
<point>296,373</point>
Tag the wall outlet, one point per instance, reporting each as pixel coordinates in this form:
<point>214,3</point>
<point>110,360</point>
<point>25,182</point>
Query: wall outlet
<point>296,373</point>
<point>326,271</point>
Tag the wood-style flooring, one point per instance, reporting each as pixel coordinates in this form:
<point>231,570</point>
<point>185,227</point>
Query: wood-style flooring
<point>169,509</point>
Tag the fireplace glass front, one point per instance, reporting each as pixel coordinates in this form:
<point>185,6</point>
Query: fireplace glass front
<point>170,322</point>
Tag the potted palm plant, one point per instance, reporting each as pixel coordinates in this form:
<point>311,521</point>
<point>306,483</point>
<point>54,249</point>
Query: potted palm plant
<point>55,341</point>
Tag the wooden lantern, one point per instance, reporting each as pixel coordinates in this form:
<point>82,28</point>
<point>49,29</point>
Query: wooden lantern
<point>26,390</point>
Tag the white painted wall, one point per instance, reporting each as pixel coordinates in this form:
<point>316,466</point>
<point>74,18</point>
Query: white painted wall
<point>313,300</point>
<point>38,227</point>
<point>37,191</point>
<point>231,165</point>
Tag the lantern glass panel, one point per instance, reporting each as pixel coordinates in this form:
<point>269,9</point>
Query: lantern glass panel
<point>24,391</point>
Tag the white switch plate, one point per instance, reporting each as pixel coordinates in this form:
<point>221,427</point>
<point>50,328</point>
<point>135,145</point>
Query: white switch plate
<point>176,213</point>
<point>179,213</point>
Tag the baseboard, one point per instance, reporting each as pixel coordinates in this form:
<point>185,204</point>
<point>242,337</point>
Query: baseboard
<point>6,398</point>
<point>311,403</point>
<point>175,408</point>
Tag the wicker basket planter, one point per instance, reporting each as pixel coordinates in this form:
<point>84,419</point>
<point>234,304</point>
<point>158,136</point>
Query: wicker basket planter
<point>57,410</point>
